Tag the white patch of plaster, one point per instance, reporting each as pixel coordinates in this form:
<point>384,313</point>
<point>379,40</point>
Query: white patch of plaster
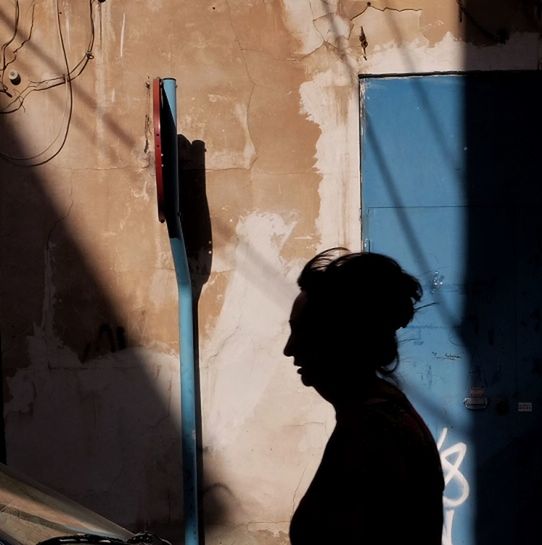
<point>330,99</point>
<point>237,362</point>
<point>144,186</point>
<point>390,25</point>
<point>320,8</point>
<point>121,47</point>
<point>249,151</point>
<point>216,98</point>
<point>334,29</point>
<point>298,18</point>
<point>416,56</point>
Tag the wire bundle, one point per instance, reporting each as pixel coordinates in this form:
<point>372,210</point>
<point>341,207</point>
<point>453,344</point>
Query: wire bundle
<point>66,78</point>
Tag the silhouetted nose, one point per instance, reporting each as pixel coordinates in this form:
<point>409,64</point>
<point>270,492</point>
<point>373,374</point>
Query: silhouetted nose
<point>288,348</point>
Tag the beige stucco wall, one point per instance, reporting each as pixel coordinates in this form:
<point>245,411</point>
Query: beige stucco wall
<point>89,323</point>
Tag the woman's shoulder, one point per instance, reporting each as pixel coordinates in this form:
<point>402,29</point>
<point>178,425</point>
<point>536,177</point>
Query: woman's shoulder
<point>386,416</point>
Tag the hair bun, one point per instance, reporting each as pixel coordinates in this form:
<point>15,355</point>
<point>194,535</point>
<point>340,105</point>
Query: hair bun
<point>355,294</point>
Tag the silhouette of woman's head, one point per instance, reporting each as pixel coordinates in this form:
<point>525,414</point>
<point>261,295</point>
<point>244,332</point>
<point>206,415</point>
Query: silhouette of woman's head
<point>344,321</point>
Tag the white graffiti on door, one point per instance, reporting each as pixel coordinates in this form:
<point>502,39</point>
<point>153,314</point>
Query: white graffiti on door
<point>451,459</point>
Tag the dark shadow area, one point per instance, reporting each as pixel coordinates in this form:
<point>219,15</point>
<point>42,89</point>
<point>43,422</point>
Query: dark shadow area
<point>493,22</point>
<point>2,423</point>
<point>502,318</point>
<point>49,293</point>
<point>501,325</point>
<point>61,330</point>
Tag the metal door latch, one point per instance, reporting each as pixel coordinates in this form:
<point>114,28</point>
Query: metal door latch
<point>476,400</point>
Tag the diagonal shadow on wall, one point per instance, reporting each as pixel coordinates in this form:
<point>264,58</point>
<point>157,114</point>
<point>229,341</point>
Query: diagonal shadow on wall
<point>501,324</point>
<point>89,412</point>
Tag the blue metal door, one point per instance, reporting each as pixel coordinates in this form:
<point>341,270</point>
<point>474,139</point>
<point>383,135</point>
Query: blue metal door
<point>450,188</point>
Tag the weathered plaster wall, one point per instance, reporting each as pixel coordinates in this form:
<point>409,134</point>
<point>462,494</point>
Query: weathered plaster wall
<point>89,327</point>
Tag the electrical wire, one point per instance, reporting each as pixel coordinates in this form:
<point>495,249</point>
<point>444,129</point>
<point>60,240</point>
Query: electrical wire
<point>69,89</point>
<point>55,81</point>
<point>6,44</point>
<point>28,160</point>
<point>63,79</point>
<point>15,51</point>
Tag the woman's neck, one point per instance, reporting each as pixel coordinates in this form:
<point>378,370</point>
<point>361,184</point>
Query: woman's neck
<point>372,389</point>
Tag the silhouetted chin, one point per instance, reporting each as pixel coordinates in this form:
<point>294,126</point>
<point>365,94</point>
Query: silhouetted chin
<point>305,377</point>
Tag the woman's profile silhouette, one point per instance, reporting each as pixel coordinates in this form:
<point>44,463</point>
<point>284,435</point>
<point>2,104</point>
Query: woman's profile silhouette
<point>380,479</point>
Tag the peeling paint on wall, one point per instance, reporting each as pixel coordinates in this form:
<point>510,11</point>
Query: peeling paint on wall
<point>89,321</point>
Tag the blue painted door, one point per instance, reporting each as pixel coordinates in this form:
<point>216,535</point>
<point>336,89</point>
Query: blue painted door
<point>451,189</point>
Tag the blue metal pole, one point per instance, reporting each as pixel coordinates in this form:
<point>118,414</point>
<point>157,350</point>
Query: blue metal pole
<point>186,338</point>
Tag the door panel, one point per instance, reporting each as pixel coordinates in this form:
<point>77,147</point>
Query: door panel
<point>451,189</point>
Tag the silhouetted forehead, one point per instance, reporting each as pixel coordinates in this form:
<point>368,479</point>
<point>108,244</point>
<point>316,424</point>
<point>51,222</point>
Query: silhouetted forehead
<point>298,307</point>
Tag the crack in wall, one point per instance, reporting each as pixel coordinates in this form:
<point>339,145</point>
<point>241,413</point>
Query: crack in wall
<point>229,169</point>
<point>398,34</point>
<point>211,357</point>
<point>344,57</point>
<point>384,9</point>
